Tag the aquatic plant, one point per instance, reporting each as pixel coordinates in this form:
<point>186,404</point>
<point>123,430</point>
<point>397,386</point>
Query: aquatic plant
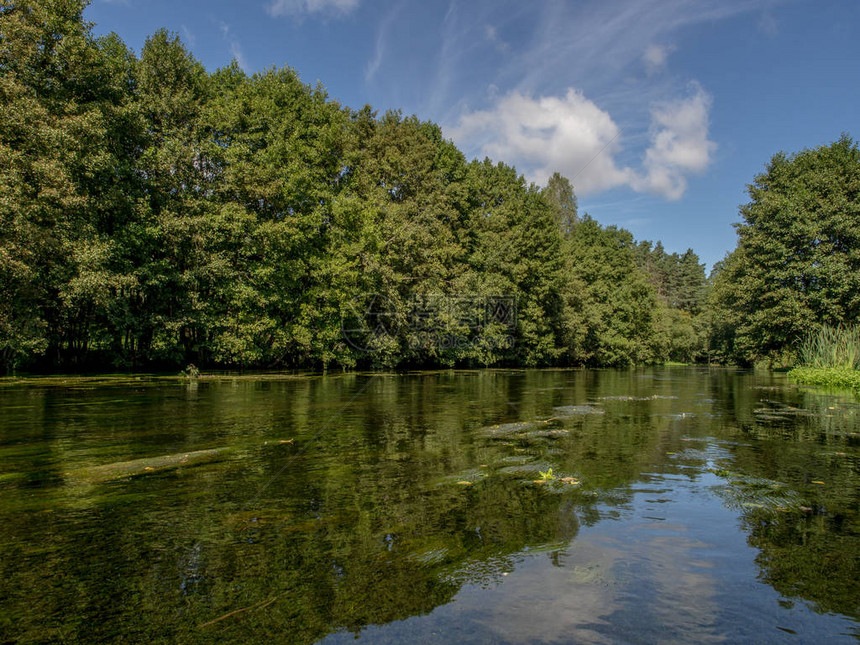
<point>841,377</point>
<point>191,371</point>
<point>831,347</point>
<point>746,492</point>
<point>546,476</point>
<point>830,356</point>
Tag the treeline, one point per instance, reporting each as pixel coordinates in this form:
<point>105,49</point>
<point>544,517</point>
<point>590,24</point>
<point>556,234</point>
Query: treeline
<point>153,214</point>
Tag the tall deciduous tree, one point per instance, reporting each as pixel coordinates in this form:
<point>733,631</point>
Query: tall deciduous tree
<point>517,253</point>
<point>562,200</point>
<point>610,307</point>
<point>797,263</point>
<point>66,185</point>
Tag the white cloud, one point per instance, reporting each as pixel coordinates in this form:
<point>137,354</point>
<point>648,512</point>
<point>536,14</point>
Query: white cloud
<point>572,135</point>
<point>655,58</point>
<point>548,134</point>
<point>296,7</point>
<point>679,143</point>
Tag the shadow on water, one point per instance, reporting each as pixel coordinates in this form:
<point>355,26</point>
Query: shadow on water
<point>680,503</point>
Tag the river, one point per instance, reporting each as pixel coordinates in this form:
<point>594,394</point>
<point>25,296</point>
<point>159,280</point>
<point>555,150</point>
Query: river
<point>492,506</point>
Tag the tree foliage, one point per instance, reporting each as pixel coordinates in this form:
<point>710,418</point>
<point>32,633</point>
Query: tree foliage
<point>562,200</point>
<point>681,287</point>
<point>155,214</point>
<point>797,263</point>
<point>610,306</point>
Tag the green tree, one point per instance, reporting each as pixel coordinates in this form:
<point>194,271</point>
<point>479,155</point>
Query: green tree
<point>66,132</point>
<point>404,191</point>
<point>152,213</point>
<point>275,147</point>
<point>610,307</point>
<point>517,253</point>
<point>561,197</point>
<point>691,283</point>
<point>678,279</point>
<point>681,287</point>
<point>797,263</point>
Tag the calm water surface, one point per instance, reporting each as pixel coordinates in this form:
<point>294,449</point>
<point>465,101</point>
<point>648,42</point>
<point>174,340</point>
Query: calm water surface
<point>683,505</point>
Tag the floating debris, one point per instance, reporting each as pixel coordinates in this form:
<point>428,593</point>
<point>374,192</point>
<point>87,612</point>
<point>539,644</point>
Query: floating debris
<point>517,459</point>
<point>431,556</point>
<point>775,388</point>
<point>522,470</point>
<point>770,417</point>
<point>463,478</point>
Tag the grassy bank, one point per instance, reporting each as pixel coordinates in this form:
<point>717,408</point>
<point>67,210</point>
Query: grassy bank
<point>830,356</point>
<point>827,376</point>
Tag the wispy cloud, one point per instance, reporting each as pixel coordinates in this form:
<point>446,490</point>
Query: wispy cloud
<point>379,50</point>
<point>492,34</point>
<point>572,135</point>
<point>768,24</point>
<point>298,7</point>
<point>603,39</point>
<point>597,46</point>
<point>190,39</point>
<point>235,47</point>
<point>380,46</point>
<point>655,57</point>
<point>373,64</point>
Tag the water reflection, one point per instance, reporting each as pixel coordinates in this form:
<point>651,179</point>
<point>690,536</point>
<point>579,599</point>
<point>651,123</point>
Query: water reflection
<point>683,505</point>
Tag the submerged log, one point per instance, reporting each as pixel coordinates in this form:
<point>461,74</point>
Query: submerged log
<point>146,466</point>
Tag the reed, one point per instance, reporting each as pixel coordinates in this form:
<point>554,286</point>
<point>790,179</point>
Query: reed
<point>830,347</point>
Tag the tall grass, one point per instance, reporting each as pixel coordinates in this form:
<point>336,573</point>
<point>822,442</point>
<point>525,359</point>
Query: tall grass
<point>831,347</point>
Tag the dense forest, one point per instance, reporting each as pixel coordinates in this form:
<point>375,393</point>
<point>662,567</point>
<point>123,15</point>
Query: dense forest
<point>154,214</point>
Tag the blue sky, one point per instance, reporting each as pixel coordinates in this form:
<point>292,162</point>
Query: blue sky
<point>659,112</point>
